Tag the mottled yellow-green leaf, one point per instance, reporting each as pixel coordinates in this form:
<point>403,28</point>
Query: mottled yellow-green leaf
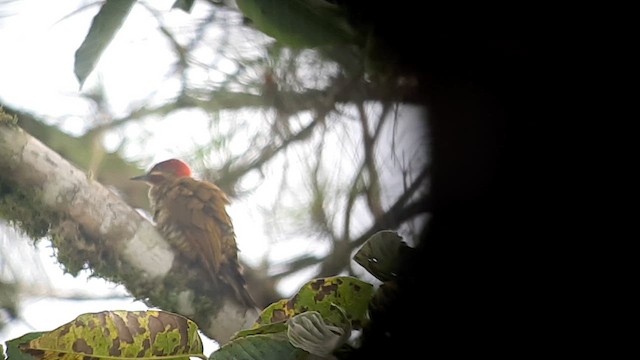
<point>120,335</point>
<point>262,329</point>
<point>382,254</point>
<point>330,297</point>
<point>259,347</point>
<point>13,350</point>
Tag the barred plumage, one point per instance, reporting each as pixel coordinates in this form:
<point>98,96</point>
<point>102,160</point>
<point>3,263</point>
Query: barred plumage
<point>192,216</point>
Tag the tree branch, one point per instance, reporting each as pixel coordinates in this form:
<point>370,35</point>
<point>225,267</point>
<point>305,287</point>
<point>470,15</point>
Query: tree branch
<point>91,225</point>
<point>397,214</point>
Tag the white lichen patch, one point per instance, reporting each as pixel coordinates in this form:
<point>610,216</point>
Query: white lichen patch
<point>110,211</point>
<point>148,251</point>
<point>56,189</point>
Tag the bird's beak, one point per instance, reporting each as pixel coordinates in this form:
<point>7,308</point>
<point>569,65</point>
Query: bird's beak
<point>144,177</point>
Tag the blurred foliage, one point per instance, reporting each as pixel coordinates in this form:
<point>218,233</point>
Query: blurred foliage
<point>491,88</point>
<point>103,28</point>
<point>321,123</point>
<point>299,24</point>
<point>8,302</point>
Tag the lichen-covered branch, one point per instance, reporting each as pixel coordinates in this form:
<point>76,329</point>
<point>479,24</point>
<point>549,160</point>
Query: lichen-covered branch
<point>114,170</point>
<point>93,227</point>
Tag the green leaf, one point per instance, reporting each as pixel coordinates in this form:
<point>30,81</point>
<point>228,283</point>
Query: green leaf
<point>263,329</point>
<point>259,347</point>
<point>318,318</point>
<point>382,254</point>
<point>330,297</point>
<point>184,5</point>
<point>103,28</point>
<point>121,335</point>
<point>13,350</point>
<point>309,332</point>
<point>299,23</point>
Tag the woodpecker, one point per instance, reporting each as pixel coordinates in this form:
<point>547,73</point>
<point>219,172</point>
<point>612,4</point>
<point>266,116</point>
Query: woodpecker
<point>192,216</point>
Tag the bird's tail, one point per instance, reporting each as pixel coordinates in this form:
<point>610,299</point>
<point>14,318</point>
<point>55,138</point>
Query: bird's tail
<point>234,278</point>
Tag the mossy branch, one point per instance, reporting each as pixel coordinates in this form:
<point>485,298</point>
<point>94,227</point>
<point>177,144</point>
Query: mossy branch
<point>93,228</point>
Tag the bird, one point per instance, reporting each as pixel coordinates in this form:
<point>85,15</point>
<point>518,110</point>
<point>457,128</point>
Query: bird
<point>191,215</point>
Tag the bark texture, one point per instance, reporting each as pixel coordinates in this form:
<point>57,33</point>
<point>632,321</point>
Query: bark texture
<point>91,226</point>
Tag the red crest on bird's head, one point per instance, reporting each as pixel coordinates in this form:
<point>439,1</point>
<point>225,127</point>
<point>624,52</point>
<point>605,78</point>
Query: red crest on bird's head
<point>165,170</point>
<point>172,166</point>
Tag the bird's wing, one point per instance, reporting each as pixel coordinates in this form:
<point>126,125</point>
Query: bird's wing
<point>199,210</point>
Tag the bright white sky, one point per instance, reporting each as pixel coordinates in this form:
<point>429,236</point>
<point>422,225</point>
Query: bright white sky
<point>38,40</point>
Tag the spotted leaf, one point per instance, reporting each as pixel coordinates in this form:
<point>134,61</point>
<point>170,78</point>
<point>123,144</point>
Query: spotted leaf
<point>262,329</point>
<point>120,335</point>
<point>382,255</point>
<point>13,350</point>
<point>260,347</point>
<point>328,296</point>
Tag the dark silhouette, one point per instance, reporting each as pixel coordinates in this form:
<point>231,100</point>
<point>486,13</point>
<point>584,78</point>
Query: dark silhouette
<point>476,286</point>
